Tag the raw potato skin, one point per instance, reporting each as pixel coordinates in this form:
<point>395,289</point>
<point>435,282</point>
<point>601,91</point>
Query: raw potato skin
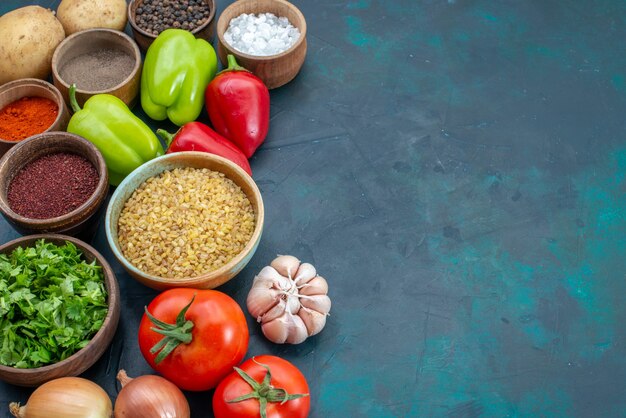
<point>28,38</point>
<point>77,15</point>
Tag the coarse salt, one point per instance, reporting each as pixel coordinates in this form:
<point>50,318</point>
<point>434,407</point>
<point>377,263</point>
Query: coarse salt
<point>261,35</point>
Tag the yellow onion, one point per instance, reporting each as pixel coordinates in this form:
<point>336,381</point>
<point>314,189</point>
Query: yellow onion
<point>149,396</point>
<point>66,397</point>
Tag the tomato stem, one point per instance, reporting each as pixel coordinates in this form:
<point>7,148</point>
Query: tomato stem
<point>264,391</point>
<point>174,334</point>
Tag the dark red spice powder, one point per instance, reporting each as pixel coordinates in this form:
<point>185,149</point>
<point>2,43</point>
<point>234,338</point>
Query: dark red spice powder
<point>52,186</point>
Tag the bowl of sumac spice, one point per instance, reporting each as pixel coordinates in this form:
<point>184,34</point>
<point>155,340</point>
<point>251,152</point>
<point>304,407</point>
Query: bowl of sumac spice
<point>148,18</point>
<point>28,107</point>
<point>53,182</point>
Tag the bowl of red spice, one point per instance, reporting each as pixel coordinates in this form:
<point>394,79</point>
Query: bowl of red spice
<point>53,182</point>
<point>28,107</point>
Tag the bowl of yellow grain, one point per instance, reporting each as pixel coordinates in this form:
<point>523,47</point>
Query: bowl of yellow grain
<point>187,219</point>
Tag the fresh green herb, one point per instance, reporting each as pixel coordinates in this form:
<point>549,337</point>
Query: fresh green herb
<point>52,302</point>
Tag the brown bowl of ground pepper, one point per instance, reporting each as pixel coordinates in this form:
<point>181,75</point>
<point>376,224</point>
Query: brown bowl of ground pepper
<point>28,107</point>
<point>98,61</point>
<point>53,182</point>
<point>148,18</point>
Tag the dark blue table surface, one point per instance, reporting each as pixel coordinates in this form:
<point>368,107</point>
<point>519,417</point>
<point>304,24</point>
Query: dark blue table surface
<point>456,169</point>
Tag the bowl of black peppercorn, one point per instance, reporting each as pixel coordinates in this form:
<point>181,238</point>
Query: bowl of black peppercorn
<point>148,18</point>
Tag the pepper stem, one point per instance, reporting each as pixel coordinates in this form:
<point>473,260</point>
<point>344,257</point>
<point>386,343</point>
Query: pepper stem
<point>233,65</point>
<point>264,391</point>
<point>174,334</point>
<point>165,136</point>
<point>73,101</point>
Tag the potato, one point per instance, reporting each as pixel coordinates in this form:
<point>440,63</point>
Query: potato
<point>77,15</point>
<point>28,38</point>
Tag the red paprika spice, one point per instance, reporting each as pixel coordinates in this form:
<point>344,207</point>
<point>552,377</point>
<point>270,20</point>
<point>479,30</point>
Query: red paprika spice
<point>26,117</point>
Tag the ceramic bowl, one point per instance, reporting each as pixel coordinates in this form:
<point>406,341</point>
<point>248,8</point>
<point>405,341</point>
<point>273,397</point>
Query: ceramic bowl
<point>87,356</point>
<point>91,40</point>
<point>28,87</point>
<point>274,70</point>
<point>82,220</point>
<point>179,160</point>
<point>144,39</point>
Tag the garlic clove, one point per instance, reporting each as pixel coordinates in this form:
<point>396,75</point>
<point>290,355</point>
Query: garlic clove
<point>261,299</point>
<point>305,273</point>
<point>279,309</point>
<point>263,282</point>
<point>293,304</point>
<point>317,286</point>
<point>276,330</point>
<point>287,265</point>
<point>267,272</point>
<point>298,331</point>
<point>319,303</point>
<point>283,283</point>
<point>313,320</point>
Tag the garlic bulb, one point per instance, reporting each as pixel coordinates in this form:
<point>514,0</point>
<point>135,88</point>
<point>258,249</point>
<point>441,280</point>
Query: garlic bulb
<point>290,300</point>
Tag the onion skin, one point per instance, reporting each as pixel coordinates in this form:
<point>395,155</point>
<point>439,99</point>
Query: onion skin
<point>66,397</point>
<point>290,300</point>
<point>149,396</point>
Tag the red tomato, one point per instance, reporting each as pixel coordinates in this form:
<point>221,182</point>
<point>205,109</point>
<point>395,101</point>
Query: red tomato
<point>219,337</point>
<point>284,375</point>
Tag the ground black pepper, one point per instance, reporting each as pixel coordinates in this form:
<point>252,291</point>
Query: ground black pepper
<point>154,16</point>
<point>52,186</point>
<point>98,70</point>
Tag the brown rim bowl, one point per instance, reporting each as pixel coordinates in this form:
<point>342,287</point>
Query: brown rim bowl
<point>144,39</point>
<point>91,40</point>
<point>274,70</point>
<point>179,160</point>
<point>87,356</point>
<point>82,219</point>
<point>28,87</point>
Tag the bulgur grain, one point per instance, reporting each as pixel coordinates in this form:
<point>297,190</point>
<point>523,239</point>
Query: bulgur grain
<point>184,223</point>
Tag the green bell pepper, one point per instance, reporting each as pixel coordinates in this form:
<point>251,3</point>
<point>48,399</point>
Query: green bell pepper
<point>176,71</point>
<point>124,140</point>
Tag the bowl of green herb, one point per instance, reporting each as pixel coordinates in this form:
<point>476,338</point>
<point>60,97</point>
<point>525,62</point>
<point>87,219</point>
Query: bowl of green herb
<point>59,308</point>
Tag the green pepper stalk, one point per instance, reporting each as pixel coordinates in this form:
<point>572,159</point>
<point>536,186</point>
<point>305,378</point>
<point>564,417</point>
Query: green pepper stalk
<point>124,140</point>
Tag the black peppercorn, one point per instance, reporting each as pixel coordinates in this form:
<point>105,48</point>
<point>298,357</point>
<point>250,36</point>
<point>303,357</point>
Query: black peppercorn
<point>158,15</point>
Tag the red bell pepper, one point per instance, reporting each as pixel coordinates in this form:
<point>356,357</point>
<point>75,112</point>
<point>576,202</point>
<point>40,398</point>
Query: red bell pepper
<point>238,104</point>
<point>196,136</point>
